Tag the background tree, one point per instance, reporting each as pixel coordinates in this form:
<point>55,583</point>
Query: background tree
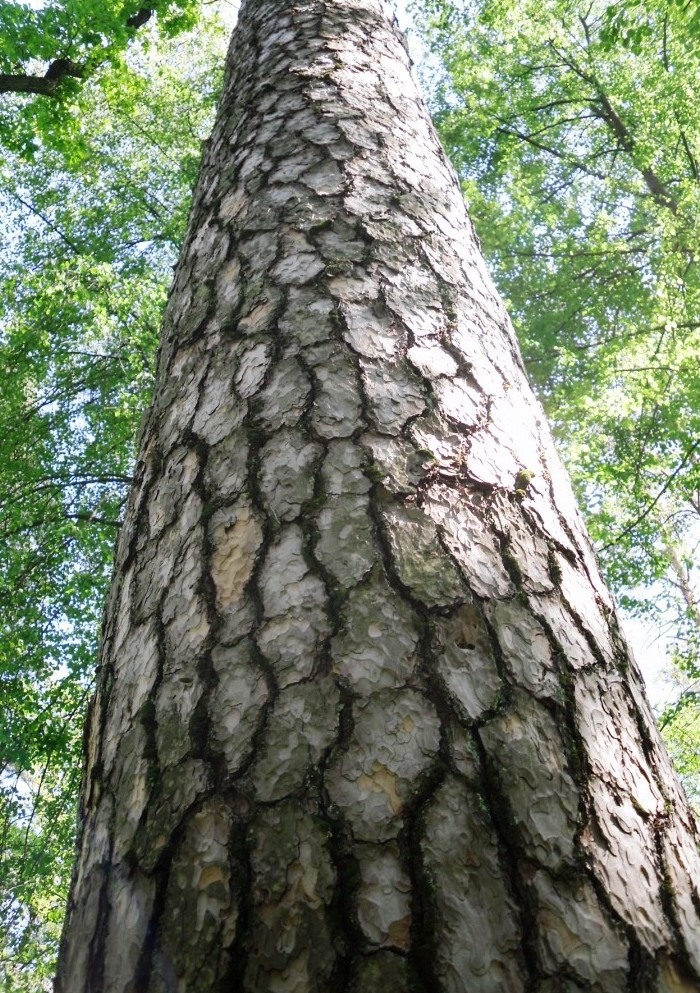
<point>575,129</point>
<point>85,269</point>
<point>50,49</point>
<point>364,718</point>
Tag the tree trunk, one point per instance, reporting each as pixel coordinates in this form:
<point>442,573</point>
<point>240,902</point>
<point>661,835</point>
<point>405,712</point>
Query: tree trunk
<point>364,719</point>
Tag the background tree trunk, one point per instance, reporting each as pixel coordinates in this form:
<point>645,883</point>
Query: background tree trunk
<point>364,718</point>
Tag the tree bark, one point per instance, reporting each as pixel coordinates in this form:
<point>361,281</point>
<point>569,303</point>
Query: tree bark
<point>364,719</point>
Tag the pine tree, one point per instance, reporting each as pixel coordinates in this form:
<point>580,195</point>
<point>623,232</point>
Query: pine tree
<point>365,720</point>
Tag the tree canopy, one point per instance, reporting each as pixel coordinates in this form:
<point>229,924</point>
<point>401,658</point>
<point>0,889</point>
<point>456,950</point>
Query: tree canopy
<point>50,49</point>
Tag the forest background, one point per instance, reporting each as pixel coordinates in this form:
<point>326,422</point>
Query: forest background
<point>575,130</point>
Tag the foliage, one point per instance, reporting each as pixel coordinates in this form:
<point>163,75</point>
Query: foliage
<point>58,44</point>
<point>575,127</point>
<point>681,720</point>
<point>83,279</point>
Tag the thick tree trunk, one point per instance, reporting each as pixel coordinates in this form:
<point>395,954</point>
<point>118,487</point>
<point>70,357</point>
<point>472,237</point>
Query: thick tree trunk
<point>364,719</point>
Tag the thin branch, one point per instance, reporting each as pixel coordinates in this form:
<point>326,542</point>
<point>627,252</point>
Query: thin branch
<point>506,128</point>
<point>47,221</point>
<point>650,506</point>
<point>88,518</point>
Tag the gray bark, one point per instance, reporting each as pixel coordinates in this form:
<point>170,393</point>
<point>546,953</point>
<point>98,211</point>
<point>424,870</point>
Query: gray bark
<point>364,721</point>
